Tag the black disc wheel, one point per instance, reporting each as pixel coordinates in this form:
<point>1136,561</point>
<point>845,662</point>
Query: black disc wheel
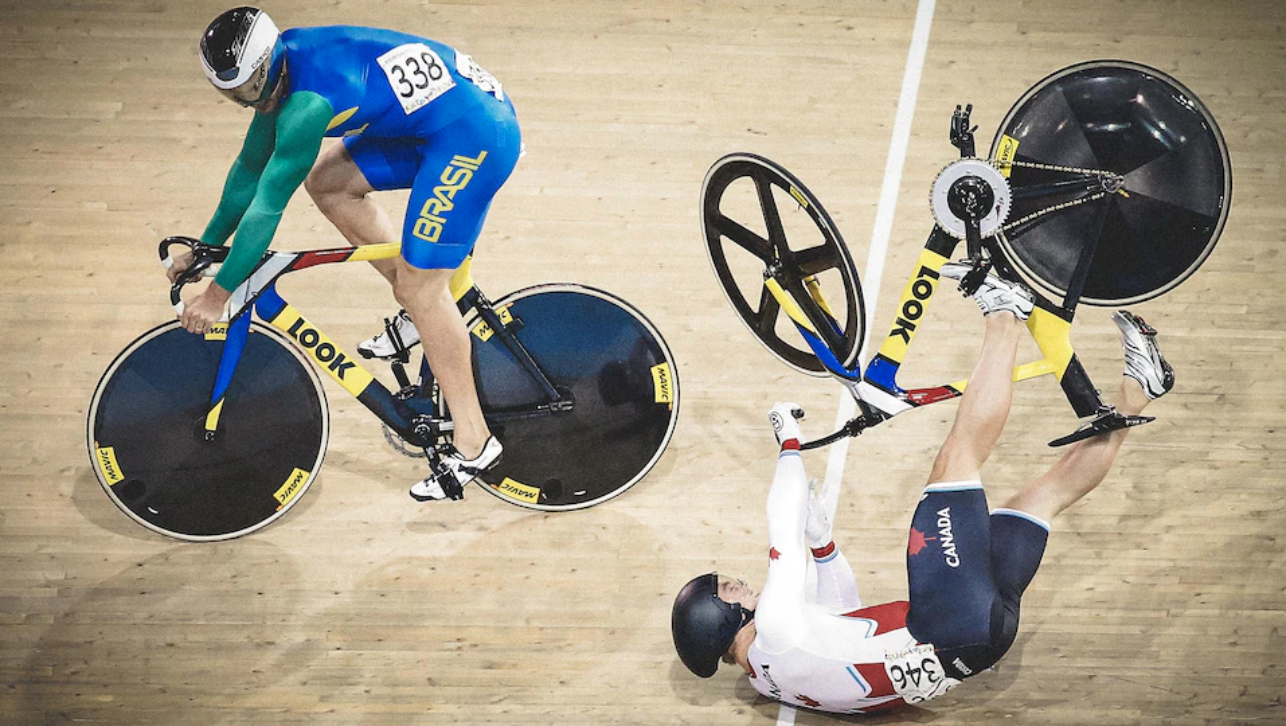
<point>604,357</point>
<point>748,237</point>
<point>147,423</point>
<point>1155,182</point>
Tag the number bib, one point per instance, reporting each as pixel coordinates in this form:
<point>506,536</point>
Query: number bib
<point>465,66</point>
<point>916,674</point>
<point>416,74</point>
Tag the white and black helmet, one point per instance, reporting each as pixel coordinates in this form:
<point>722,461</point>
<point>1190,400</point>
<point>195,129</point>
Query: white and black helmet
<point>243,56</point>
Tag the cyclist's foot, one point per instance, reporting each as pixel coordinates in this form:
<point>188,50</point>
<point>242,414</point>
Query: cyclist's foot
<point>1143,361</point>
<point>784,418</point>
<point>449,481</point>
<point>995,294</point>
<point>383,346</point>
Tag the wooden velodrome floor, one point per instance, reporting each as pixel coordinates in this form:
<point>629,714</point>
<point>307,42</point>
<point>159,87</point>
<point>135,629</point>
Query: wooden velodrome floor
<point>1162,595</point>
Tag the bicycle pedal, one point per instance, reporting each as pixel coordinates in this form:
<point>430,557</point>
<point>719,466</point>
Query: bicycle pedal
<point>1103,423</point>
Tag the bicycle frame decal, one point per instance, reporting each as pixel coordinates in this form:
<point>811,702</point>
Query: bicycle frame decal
<point>329,356</point>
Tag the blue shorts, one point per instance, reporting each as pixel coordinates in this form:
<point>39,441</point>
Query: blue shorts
<point>967,570</point>
<point>452,174</point>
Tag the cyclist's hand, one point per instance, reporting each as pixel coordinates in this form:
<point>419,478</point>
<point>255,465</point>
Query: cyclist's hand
<point>818,527</point>
<point>181,263</point>
<point>205,310</point>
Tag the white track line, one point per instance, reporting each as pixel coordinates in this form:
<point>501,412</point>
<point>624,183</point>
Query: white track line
<point>874,272</point>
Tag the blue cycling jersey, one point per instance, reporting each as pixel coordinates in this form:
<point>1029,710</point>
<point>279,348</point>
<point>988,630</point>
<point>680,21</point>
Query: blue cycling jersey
<point>367,82</point>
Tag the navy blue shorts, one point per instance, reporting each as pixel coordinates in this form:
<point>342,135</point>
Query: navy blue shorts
<point>452,175</point>
<point>967,571</point>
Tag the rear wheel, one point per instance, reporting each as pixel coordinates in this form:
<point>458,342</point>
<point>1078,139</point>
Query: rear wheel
<point>1133,127</point>
<point>609,360</point>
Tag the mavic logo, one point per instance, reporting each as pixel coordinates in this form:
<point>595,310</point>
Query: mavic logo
<point>454,178</point>
<point>913,307</point>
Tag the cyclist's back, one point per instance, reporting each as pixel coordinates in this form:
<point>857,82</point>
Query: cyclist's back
<point>424,91</point>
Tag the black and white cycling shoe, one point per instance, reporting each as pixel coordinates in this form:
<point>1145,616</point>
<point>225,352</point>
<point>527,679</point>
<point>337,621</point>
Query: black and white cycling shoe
<point>455,472</point>
<point>1143,361</point>
<point>995,294</point>
<point>383,346</point>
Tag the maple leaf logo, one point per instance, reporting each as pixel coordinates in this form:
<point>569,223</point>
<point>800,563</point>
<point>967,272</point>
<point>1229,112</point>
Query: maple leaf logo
<point>808,701</point>
<point>773,554</point>
<point>917,542</point>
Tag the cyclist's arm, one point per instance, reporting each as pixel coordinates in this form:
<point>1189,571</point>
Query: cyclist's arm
<point>301,125</point>
<point>243,177</point>
<point>779,617</point>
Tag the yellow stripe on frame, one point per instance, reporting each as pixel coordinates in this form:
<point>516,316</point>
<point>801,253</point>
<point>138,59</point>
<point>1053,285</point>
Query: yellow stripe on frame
<point>212,418</point>
<point>329,357</point>
<point>911,308</point>
<point>383,251</point>
<point>1053,336</point>
<point>788,305</point>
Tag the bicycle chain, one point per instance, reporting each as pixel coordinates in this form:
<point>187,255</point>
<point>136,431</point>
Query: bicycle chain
<point>1057,207</point>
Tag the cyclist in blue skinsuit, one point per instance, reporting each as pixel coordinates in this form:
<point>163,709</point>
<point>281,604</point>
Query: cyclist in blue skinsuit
<point>412,113</point>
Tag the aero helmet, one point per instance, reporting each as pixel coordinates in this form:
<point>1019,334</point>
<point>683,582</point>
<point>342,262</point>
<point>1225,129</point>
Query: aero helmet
<point>243,55</point>
<point>704,625</point>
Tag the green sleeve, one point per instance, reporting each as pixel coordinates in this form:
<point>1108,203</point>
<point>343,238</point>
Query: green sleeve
<point>239,189</point>
<point>301,125</point>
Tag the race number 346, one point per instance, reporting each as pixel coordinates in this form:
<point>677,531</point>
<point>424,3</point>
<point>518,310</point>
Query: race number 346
<point>416,74</point>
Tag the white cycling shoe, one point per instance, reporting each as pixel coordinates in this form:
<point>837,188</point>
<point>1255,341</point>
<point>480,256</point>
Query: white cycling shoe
<point>995,294</point>
<point>1143,360</point>
<point>449,481</point>
<point>382,345</point>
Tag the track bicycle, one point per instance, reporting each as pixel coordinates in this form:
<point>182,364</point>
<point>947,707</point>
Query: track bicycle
<point>210,437</point>
<point>1108,183</point>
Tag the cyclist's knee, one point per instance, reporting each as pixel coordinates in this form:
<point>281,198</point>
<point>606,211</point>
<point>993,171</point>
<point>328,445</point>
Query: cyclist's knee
<point>959,459</point>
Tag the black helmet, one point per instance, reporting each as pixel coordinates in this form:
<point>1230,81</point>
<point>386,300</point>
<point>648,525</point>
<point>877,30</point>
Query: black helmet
<point>704,625</point>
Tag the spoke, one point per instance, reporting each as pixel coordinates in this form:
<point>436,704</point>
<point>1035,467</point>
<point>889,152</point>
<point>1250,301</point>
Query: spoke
<point>817,259</point>
<point>772,217</point>
<point>743,237</point>
<point>766,319</point>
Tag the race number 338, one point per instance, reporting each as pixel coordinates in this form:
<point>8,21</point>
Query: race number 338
<point>916,674</point>
<point>416,74</point>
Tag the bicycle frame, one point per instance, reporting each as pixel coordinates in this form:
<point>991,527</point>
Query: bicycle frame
<point>877,391</point>
<point>410,412</point>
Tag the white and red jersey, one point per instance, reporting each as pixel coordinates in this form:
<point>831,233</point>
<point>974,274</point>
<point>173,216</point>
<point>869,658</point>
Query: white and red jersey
<point>830,654</point>
<point>838,664</point>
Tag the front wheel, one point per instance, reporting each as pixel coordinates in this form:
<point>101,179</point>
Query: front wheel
<point>606,358</point>
<point>146,433</point>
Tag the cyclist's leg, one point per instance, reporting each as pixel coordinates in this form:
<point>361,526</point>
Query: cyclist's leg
<point>984,408</point>
<point>464,165</point>
<point>1084,465</point>
<point>345,174</point>
<point>949,570</point>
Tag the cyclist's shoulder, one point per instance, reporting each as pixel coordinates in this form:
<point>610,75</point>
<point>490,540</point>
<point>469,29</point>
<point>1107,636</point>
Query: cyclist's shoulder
<point>336,43</point>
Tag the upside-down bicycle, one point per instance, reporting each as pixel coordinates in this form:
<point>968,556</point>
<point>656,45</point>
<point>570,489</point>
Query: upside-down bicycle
<point>578,385</point>
<point>1108,183</point>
